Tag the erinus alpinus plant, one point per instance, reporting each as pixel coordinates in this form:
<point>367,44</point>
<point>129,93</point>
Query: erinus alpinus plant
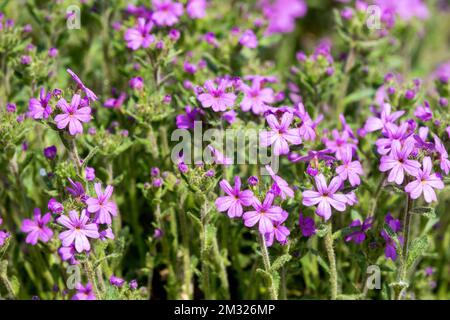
<point>203,149</point>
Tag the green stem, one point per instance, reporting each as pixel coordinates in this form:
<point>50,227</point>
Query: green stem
<point>332,261</point>
<point>204,251</point>
<point>374,203</point>
<point>266,261</point>
<point>344,85</point>
<point>4,279</point>
<point>406,234</point>
<point>91,276</point>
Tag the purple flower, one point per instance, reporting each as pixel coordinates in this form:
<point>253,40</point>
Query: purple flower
<point>280,186</point>
<point>116,281</point>
<point>282,14</point>
<point>398,163</point>
<point>40,109</point>
<point>218,157</point>
<point>72,115</point>
<point>340,143</point>
<point>25,60</point>
<point>133,284</point>
<point>196,9</point>
<point>106,234</point>
<point>350,170</point>
<point>52,52</point>
<point>50,152</point>
<point>235,198</point>
<point>76,190</point>
<point>307,226</point>
<point>166,12</point>
<point>136,83</point>
<point>312,157</point>
<point>307,128</point>
<point>91,95</point>
<point>90,174</point>
<point>256,97</point>
<point>3,236</point>
<point>360,229</point>
<point>374,123</point>
<point>11,107</point>
<point>405,9</point>
<point>139,36</point>
<point>424,112</point>
<point>101,205</point>
<point>279,231</point>
<point>425,182</point>
<point>325,197</point>
<point>443,155</point>
<point>174,34</point>
<point>217,97</point>
<point>252,181</point>
<point>79,230</point>
<point>84,292</point>
<point>157,183</point>
<point>68,254</point>
<point>36,228</point>
<point>248,39</point>
<point>115,103</point>
<point>265,214</point>
<point>393,134</point>
<point>187,120</point>
<point>54,206</point>
<point>229,116</point>
<point>391,247</point>
<point>280,134</point>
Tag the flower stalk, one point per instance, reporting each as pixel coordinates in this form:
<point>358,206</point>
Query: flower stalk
<point>329,246</point>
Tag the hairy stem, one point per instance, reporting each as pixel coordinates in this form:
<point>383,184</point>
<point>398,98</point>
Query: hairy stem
<point>332,261</point>
<point>4,279</point>
<point>91,276</point>
<point>406,234</point>
<point>266,261</point>
<point>204,251</point>
<point>373,205</point>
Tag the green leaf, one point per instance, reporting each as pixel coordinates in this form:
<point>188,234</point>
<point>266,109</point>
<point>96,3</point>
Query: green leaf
<point>358,95</point>
<point>322,230</point>
<point>280,261</point>
<point>416,250</point>
<point>428,212</point>
<point>195,219</point>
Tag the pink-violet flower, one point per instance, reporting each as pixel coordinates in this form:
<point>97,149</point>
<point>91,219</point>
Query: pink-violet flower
<point>72,115</point>
<point>350,170</point>
<point>217,97</point>
<point>256,97</point>
<point>307,225</point>
<point>280,186</point>
<point>84,292</point>
<point>280,134</point>
<point>425,183</point>
<point>79,230</point>
<point>444,162</point>
<point>235,198</point>
<point>40,109</point>
<point>166,12</point>
<point>89,93</point>
<point>360,229</point>
<point>101,206</point>
<point>265,214</point>
<point>139,36</point>
<point>325,197</point>
<point>37,228</point>
<point>398,163</point>
<point>279,232</point>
